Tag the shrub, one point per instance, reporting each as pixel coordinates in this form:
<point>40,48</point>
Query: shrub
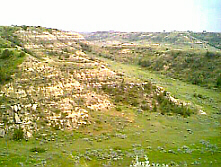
<point>218,82</point>
<point>166,106</point>
<point>56,127</point>
<point>134,102</point>
<point>49,30</point>
<point>210,54</point>
<point>5,54</point>
<point>57,111</point>
<point>118,108</point>
<point>4,75</point>
<point>118,98</point>
<point>145,107</point>
<point>66,56</point>
<point>85,47</point>
<point>37,149</point>
<point>144,63</point>
<point>18,134</point>
<point>24,27</point>
<point>65,50</point>
<point>197,78</point>
<point>22,54</point>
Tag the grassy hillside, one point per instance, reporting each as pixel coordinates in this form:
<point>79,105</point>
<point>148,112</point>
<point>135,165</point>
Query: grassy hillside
<point>196,66</point>
<point>10,55</point>
<point>177,40</point>
<point>72,102</point>
<point>200,68</point>
<point>211,38</point>
<point>9,60</point>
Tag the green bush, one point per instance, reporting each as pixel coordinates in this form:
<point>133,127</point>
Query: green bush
<point>37,149</point>
<point>18,134</point>
<point>118,108</point>
<point>5,54</point>
<point>196,67</point>
<point>166,106</point>
<point>85,47</point>
<point>144,63</point>
<point>4,75</point>
<point>24,27</point>
<point>22,54</point>
<point>210,54</point>
<point>145,107</point>
<point>134,102</point>
<point>218,82</point>
<point>57,111</point>
<point>118,98</point>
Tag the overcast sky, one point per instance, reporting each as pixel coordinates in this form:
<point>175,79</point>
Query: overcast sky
<point>119,15</point>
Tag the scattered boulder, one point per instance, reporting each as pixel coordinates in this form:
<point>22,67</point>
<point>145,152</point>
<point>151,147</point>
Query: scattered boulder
<point>2,132</point>
<point>139,111</point>
<point>17,119</point>
<point>202,112</point>
<point>34,107</point>
<point>29,135</point>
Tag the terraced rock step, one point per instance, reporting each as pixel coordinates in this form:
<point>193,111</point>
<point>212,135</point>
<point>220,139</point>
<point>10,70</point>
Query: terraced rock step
<point>54,91</point>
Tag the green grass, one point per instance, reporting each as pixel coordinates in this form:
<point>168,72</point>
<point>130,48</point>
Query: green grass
<point>10,56</point>
<point>179,89</point>
<point>153,137</point>
<point>9,64</point>
<point>164,139</point>
<point>212,38</point>
<point>197,67</point>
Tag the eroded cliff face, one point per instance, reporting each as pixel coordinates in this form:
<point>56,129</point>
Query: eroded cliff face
<point>58,87</point>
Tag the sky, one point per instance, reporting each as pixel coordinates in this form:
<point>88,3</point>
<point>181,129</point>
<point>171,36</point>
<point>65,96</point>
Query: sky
<point>118,15</point>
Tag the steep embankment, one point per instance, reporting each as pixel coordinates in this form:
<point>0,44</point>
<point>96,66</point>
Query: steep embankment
<point>58,85</point>
<point>56,90</point>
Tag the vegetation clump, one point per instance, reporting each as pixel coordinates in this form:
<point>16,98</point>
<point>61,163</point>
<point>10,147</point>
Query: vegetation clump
<point>38,150</point>
<point>18,134</point>
<point>168,106</point>
<point>135,95</point>
<point>5,54</point>
<point>10,59</point>
<point>127,93</point>
<point>10,56</point>
<point>199,68</point>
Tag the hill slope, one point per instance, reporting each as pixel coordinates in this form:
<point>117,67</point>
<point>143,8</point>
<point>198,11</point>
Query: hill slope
<point>179,55</point>
<point>72,108</point>
<point>164,39</point>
